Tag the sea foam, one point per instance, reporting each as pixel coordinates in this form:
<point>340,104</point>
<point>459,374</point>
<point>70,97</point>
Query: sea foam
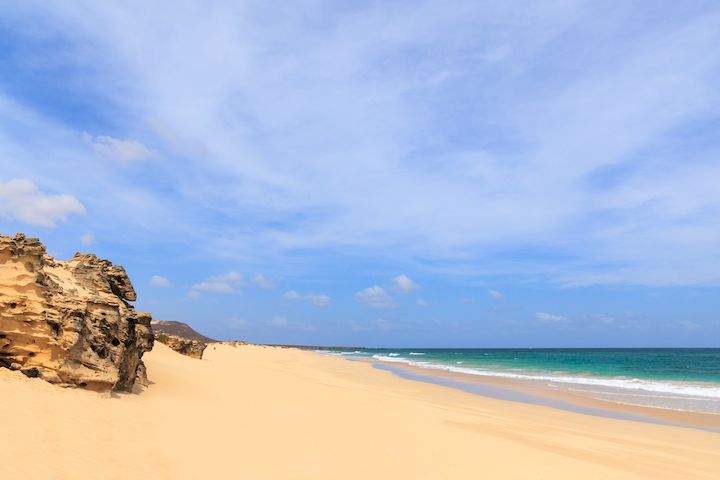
<point>687,389</point>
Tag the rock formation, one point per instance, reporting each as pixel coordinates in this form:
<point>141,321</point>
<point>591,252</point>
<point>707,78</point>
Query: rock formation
<point>69,322</point>
<point>179,329</point>
<point>181,337</point>
<point>186,346</point>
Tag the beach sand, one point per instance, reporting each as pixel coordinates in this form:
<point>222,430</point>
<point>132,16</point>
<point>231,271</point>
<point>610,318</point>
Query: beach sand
<point>256,412</point>
<point>538,393</point>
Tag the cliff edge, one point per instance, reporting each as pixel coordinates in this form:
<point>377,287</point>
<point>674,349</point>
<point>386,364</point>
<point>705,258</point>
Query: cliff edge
<point>69,322</point>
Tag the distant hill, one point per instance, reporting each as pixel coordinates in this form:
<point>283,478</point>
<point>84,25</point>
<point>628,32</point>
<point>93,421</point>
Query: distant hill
<point>171,327</point>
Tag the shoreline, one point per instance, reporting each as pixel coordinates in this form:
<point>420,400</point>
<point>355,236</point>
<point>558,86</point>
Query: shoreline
<point>626,394</point>
<point>536,393</point>
<point>272,413</point>
<point>598,380</point>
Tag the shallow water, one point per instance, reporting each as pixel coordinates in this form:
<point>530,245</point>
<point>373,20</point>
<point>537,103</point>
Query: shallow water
<point>676,379</point>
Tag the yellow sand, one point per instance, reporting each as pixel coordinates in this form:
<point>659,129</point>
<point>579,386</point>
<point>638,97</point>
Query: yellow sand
<point>271,413</point>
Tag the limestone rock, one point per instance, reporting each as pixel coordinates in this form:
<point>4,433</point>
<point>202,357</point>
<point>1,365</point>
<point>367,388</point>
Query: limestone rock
<point>69,322</point>
<point>186,346</point>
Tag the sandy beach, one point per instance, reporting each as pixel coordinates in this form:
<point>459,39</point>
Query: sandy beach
<point>539,394</point>
<point>272,413</point>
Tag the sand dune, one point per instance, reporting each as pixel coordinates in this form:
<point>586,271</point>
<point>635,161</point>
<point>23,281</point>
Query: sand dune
<point>270,413</point>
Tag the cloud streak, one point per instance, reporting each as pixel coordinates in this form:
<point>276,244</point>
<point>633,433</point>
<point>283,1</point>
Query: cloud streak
<point>226,283</point>
<point>545,317</point>
<point>122,151</point>
<point>317,300</point>
<point>495,144</point>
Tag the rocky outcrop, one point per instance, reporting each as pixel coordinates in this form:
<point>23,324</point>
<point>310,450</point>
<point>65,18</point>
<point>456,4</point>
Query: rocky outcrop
<point>181,337</point>
<point>186,346</point>
<point>69,322</point>
<point>179,329</point>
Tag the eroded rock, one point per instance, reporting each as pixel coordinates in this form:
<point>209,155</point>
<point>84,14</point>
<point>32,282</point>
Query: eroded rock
<point>69,322</point>
<point>186,346</point>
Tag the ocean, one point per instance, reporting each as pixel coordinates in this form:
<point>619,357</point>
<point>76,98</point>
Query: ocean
<point>686,379</point>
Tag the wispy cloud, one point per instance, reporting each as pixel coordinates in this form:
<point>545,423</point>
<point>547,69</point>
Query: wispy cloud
<point>496,294</point>
<point>262,281</point>
<point>375,297</point>
<point>123,151</point>
<point>550,318</point>
<point>160,281</point>
<point>596,154</point>
<point>227,283</point>
<point>317,300</point>
<point>20,199</point>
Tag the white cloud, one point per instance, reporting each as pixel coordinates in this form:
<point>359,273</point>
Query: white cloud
<point>160,281</point>
<point>88,239</point>
<point>375,297</point>
<point>262,281</point>
<point>496,294</point>
<point>20,199</point>
<point>278,322</point>
<point>550,318</point>
<point>577,165</point>
<point>123,151</point>
<point>227,283</point>
<point>421,303</point>
<point>317,300</point>
<point>403,284</point>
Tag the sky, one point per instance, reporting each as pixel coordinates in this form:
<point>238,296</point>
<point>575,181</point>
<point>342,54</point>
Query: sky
<point>396,173</point>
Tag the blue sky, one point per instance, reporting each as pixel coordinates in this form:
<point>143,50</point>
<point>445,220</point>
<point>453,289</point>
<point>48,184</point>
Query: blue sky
<point>427,173</point>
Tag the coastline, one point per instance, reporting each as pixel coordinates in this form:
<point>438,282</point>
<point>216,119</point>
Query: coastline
<point>270,413</point>
<point>536,393</point>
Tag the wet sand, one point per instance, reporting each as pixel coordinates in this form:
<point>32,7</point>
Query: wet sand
<point>537,393</point>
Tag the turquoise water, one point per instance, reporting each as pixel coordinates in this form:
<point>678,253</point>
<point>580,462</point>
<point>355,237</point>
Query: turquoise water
<point>679,378</point>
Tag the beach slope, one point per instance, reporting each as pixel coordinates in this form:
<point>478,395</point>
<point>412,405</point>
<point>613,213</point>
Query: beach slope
<point>273,413</point>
